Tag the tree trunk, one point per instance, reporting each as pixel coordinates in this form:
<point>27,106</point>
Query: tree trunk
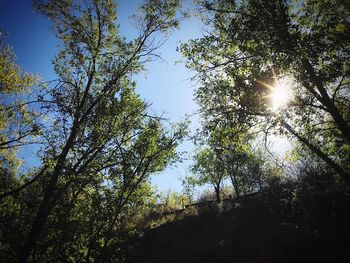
<point>217,194</point>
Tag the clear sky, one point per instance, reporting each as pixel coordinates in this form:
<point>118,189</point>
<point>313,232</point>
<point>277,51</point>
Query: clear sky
<point>166,85</point>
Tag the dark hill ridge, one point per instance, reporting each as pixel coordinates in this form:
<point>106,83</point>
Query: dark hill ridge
<point>263,228</point>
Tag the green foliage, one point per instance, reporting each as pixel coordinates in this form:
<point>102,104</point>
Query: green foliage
<point>251,45</point>
<point>18,121</point>
<point>188,187</point>
<point>100,144</point>
<point>209,170</point>
<point>171,200</point>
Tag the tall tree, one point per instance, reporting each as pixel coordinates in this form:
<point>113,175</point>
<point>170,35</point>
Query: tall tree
<point>99,130</point>
<point>254,46</point>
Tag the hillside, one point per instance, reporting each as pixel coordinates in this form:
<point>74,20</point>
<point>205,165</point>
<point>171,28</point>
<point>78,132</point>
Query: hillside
<point>259,229</point>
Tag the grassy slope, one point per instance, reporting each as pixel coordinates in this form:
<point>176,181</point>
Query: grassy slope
<point>262,229</point>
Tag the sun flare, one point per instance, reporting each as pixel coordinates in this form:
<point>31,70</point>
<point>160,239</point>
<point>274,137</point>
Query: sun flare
<point>280,93</point>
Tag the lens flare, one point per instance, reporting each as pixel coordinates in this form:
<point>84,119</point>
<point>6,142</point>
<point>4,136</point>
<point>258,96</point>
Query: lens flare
<point>281,93</point>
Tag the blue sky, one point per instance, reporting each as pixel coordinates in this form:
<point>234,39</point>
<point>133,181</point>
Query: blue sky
<point>166,85</point>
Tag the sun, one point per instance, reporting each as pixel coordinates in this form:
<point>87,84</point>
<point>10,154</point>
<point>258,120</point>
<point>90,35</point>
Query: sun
<point>280,93</point>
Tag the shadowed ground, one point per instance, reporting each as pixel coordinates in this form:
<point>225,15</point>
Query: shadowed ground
<point>260,230</point>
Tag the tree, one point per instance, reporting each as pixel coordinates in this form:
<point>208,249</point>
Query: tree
<point>233,149</point>
<point>209,170</point>
<point>100,142</point>
<point>188,187</point>
<point>252,46</point>
<point>19,123</point>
